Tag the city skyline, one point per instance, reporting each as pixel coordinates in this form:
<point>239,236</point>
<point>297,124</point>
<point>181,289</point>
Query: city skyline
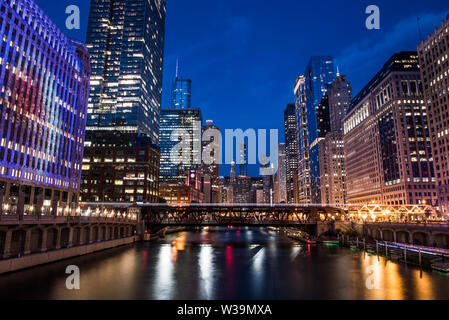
<point>273,69</point>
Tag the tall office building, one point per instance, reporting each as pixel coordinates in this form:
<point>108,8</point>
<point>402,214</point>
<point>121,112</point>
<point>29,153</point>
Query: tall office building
<point>210,172</point>
<point>433,59</point>
<point>388,156</point>
<point>331,148</point>
<point>181,93</point>
<point>291,152</point>
<point>125,39</point>
<point>280,187</point>
<point>232,174</point>
<point>340,96</point>
<point>175,171</point>
<point>43,100</point>
<point>243,164</point>
<point>332,169</point>
<point>309,90</point>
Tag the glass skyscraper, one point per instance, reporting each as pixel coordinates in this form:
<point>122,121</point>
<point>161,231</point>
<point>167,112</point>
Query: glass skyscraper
<point>43,99</point>
<point>318,76</point>
<point>181,93</point>
<point>125,39</point>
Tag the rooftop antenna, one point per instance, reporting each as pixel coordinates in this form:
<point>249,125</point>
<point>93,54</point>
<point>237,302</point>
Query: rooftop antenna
<point>177,67</point>
<point>338,72</point>
<point>418,21</point>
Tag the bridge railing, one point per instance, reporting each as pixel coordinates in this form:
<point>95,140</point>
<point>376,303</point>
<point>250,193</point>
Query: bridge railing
<point>48,219</point>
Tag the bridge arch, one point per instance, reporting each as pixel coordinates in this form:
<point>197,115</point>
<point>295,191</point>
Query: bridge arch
<point>441,240</point>
<point>388,235</point>
<point>86,235</point>
<point>95,234</point>
<point>102,234</point>
<point>18,243</point>
<point>76,238</point>
<point>403,236</point>
<point>420,238</point>
<point>65,237</point>
<point>52,239</point>
<point>36,240</point>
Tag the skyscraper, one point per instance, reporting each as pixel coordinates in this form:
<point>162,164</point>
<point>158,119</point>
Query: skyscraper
<point>43,101</point>
<point>331,149</point>
<point>388,156</point>
<point>243,164</point>
<point>291,152</point>
<point>309,91</point>
<point>174,171</point>
<point>125,39</point>
<point>280,186</point>
<point>210,172</point>
<point>181,93</point>
<point>340,96</point>
<point>433,58</point>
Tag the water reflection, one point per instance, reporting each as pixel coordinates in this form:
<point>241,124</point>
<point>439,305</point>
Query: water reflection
<point>207,270</point>
<point>163,278</point>
<point>228,264</point>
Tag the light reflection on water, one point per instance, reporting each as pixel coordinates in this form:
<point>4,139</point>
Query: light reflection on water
<point>227,264</point>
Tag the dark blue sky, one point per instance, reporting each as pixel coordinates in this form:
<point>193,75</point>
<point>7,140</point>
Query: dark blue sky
<point>243,56</point>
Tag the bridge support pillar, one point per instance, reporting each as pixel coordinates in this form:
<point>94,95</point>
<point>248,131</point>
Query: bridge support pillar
<point>394,236</point>
<point>140,229</point>
<point>27,242</point>
<point>70,244</point>
<point>58,239</point>
<point>91,235</point>
<point>81,236</point>
<point>44,240</point>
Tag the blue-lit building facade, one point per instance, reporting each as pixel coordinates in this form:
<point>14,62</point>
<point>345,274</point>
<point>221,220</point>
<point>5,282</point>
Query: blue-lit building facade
<point>125,39</point>
<point>181,93</point>
<point>44,81</point>
<point>309,90</point>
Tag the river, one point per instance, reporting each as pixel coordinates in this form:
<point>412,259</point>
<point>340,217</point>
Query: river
<point>227,264</point>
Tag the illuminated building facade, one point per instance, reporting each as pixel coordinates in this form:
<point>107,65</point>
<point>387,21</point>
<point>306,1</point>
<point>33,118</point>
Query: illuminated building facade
<point>340,97</point>
<point>280,186</point>
<point>181,194</point>
<point>332,168</point>
<point>309,90</point>
<point>181,93</point>
<point>120,167</point>
<point>210,172</point>
<point>125,39</point>
<point>291,152</point>
<point>44,80</point>
<point>190,122</point>
<point>433,59</point>
<point>388,156</point>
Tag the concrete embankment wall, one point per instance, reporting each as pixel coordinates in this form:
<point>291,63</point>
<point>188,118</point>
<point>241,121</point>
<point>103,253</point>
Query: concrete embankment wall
<point>33,260</point>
